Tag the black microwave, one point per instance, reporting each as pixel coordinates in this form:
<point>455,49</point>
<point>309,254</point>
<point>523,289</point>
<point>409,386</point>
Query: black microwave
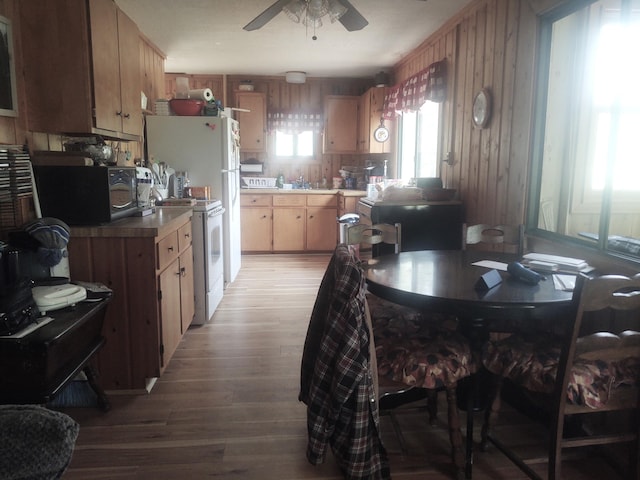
<point>81,195</point>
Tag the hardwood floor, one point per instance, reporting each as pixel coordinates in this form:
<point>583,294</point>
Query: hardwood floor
<point>227,406</point>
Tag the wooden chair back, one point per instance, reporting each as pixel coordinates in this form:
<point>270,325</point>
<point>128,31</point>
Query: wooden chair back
<point>374,234</point>
<point>509,238</point>
<point>607,331</point>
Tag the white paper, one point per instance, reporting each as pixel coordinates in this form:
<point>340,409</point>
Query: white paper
<point>564,282</point>
<point>491,264</point>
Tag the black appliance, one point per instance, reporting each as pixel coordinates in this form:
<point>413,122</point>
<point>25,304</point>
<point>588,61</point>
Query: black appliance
<point>81,195</point>
<point>425,225</point>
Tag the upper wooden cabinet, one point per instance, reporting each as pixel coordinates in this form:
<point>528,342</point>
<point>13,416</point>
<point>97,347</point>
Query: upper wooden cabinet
<point>369,117</point>
<point>81,68</point>
<point>341,124</point>
<point>253,124</point>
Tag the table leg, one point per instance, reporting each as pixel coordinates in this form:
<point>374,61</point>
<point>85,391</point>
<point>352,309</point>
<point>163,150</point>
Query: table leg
<point>103,400</point>
<point>475,397</point>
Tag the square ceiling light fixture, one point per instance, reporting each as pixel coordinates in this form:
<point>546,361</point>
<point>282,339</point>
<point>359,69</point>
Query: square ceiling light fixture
<point>296,77</point>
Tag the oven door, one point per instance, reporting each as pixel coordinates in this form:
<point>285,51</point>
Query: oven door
<point>213,260</point>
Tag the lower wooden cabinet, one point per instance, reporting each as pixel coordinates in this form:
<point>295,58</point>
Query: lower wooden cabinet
<point>149,266</point>
<point>288,229</point>
<point>321,229</point>
<point>293,222</point>
<point>176,302</point>
<point>256,224</point>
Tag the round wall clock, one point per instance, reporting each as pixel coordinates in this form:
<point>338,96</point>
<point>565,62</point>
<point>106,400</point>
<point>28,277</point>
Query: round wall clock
<point>381,134</point>
<point>482,108</point>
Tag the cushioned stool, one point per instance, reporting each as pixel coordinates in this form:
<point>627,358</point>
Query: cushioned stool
<point>35,443</point>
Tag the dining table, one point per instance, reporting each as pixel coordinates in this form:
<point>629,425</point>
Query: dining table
<point>451,282</point>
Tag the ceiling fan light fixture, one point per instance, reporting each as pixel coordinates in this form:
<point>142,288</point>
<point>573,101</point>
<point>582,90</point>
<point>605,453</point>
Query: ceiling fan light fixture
<point>311,21</point>
<point>317,8</point>
<point>295,77</point>
<point>295,10</point>
<point>336,10</point>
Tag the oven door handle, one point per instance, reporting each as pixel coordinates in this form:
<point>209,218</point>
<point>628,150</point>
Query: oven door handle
<point>216,213</point>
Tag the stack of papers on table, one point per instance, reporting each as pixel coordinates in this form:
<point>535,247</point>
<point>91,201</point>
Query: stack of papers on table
<point>556,263</point>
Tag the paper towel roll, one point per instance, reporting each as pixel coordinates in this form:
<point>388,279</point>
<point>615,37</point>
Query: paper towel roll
<point>202,94</point>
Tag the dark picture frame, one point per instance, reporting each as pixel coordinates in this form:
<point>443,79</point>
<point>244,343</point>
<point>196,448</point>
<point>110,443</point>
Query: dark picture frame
<point>8,96</point>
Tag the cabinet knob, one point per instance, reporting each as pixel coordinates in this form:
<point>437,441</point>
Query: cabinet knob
<point>183,272</point>
<point>187,235</point>
<point>264,216</point>
<point>170,249</point>
<point>119,113</point>
<point>127,115</point>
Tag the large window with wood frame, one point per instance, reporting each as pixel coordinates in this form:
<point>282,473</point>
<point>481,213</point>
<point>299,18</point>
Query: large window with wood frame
<point>587,131</point>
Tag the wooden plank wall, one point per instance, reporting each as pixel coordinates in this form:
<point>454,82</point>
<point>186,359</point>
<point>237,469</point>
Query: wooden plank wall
<point>490,44</point>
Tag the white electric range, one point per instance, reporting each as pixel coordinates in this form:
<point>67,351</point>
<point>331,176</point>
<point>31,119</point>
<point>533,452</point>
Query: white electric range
<point>208,258</point>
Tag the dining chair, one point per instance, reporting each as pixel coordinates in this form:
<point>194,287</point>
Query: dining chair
<point>338,380</point>
<point>507,238</point>
<point>587,376</point>
<point>419,353</point>
<point>385,313</point>
<point>362,233</point>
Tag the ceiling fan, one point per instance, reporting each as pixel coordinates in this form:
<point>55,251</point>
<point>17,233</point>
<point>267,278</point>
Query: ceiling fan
<point>350,18</point>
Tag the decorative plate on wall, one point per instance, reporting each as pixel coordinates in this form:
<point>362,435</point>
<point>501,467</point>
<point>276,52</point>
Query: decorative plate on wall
<point>381,134</point>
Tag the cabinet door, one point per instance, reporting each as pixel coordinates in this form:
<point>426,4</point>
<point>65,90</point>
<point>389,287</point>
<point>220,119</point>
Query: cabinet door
<point>288,229</point>
<point>55,42</point>
<point>106,64</point>
<point>170,311</point>
<point>256,229</point>
<point>130,81</point>
<point>187,297</point>
<point>322,229</point>
<point>116,69</point>
<point>364,122</point>
<point>253,123</point>
<point>341,124</point>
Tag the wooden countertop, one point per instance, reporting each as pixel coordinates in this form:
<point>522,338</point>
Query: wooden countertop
<point>158,224</point>
<point>280,191</point>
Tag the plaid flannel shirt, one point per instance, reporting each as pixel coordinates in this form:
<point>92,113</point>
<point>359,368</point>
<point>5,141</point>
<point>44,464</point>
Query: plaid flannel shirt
<point>337,378</point>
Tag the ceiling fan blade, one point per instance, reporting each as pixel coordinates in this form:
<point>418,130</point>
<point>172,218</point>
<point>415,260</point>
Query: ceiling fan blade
<point>352,20</point>
<point>262,19</point>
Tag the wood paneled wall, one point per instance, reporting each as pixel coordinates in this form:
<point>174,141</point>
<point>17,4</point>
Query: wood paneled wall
<point>490,44</point>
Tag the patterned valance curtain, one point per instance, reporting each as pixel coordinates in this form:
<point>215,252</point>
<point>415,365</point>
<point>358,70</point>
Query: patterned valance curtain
<point>291,122</point>
<point>410,95</point>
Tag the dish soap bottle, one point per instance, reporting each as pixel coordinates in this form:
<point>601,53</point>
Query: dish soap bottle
<point>280,180</point>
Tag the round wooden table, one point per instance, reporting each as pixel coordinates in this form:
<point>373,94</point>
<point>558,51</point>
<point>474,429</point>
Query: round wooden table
<point>445,281</point>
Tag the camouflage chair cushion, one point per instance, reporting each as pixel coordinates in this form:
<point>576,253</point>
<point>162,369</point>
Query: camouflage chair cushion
<point>533,363</point>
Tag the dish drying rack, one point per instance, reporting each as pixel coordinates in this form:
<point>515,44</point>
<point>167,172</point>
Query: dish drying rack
<point>259,182</point>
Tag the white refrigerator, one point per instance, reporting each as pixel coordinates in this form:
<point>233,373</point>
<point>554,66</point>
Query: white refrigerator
<point>208,149</point>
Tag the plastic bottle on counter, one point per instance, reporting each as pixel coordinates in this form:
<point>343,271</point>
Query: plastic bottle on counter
<point>280,180</point>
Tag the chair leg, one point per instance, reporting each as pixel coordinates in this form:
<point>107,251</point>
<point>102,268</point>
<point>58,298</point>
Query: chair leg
<point>455,435</point>
<point>491,413</point>
<point>432,406</point>
<point>398,430</point>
